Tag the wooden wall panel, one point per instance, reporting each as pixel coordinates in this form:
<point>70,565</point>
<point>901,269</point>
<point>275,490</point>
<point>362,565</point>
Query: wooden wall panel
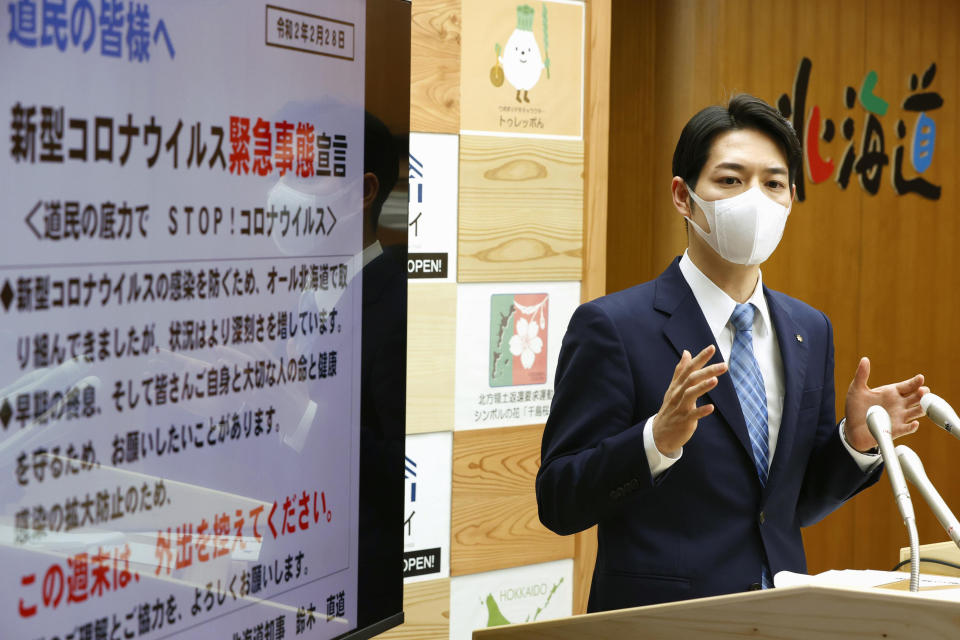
<point>494,522</point>
<point>823,231</point>
<point>633,203</point>
<point>426,612</point>
<point>387,64</point>
<point>431,349</point>
<point>909,272</point>
<point>522,217</point>
<point>435,66</point>
<point>596,147</point>
<point>594,280</point>
<point>521,209</point>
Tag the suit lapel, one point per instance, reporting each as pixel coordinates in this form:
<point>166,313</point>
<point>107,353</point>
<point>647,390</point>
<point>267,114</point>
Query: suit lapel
<point>686,328</point>
<point>793,352</point>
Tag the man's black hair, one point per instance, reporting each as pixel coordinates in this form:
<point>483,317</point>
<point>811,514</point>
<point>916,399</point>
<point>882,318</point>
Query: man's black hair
<point>742,112</point>
<point>379,158</point>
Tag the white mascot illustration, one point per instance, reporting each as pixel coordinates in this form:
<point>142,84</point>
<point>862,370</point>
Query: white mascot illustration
<point>522,61</point>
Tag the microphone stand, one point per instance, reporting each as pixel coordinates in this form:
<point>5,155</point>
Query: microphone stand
<point>878,421</point>
<point>914,554</point>
<point>915,473</point>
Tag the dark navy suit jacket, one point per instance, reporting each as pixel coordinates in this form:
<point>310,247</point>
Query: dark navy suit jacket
<point>705,525</point>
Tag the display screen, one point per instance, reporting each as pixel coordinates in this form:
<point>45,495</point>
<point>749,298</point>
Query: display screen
<point>199,350</point>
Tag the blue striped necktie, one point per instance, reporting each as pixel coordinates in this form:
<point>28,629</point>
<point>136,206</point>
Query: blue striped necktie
<point>748,381</point>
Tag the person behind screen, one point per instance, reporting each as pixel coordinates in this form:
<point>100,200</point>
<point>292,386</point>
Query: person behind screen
<point>693,416</point>
<point>384,287</point>
<point>382,386</point>
<point>380,272</point>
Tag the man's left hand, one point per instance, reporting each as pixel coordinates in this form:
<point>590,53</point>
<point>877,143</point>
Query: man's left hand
<point>901,400</point>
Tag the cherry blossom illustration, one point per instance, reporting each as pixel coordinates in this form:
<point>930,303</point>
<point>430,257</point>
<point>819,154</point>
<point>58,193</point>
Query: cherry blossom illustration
<point>525,343</point>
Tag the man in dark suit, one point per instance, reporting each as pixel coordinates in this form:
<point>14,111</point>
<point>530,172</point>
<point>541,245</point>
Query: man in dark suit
<point>383,367</point>
<point>701,469</point>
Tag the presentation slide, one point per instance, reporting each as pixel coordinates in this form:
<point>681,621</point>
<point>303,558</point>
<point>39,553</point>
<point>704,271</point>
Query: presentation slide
<point>181,300</point>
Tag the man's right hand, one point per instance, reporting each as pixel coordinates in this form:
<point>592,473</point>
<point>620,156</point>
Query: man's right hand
<point>677,418</point>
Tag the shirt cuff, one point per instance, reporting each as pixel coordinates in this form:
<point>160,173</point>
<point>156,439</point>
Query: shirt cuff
<point>658,462</point>
<point>866,461</point>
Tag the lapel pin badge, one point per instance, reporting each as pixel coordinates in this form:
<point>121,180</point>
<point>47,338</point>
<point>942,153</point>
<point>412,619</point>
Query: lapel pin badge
<point>799,338</point>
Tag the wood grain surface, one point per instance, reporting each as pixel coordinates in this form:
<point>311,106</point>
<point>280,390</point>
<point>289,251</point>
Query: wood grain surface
<point>387,65</point>
<point>596,148</point>
<point>521,209</point>
<point>791,613</point>
<point>594,279</point>
<point>633,203</point>
<point>909,266</point>
<point>435,66</point>
<point>431,349</point>
<point>494,522</point>
<point>426,612</point>
<point>945,551</point>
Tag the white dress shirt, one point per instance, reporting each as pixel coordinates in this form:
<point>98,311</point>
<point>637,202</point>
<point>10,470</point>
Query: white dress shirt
<point>717,307</point>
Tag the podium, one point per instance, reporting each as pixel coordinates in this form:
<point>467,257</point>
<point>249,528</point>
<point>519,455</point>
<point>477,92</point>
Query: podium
<point>800,612</point>
<point>937,551</point>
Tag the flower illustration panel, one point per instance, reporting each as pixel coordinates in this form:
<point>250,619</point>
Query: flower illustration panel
<point>522,68</point>
<point>518,339</point>
<point>508,339</point>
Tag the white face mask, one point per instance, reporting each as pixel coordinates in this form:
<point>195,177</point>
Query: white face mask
<point>744,229</point>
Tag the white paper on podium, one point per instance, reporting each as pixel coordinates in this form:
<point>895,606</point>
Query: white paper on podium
<point>940,586</point>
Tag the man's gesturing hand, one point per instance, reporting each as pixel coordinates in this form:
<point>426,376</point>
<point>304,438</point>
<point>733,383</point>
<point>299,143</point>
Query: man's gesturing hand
<point>677,418</point>
<point>901,400</point>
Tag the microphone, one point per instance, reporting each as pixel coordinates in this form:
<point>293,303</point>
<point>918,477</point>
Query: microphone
<point>942,414</point>
<point>913,470</point>
<point>878,421</point>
